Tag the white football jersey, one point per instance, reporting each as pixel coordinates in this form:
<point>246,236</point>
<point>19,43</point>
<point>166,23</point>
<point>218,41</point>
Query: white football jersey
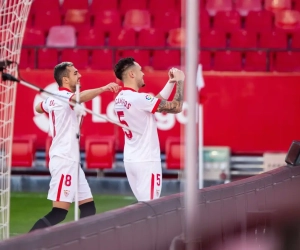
<point>63,124</point>
<point>136,110</point>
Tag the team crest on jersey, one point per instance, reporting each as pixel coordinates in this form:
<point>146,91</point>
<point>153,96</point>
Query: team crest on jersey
<point>66,192</point>
<point>157,193</point>
<point>149,97</point>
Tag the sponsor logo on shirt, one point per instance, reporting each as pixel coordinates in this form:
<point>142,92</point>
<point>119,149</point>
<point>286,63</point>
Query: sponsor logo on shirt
<point>149,97</point>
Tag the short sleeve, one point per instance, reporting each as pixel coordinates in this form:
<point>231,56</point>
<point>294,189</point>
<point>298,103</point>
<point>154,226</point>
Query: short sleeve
<point>45,105</point>
<point>148,102</point>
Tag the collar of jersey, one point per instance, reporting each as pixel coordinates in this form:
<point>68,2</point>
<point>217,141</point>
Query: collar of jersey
<point>126,88</point>
<point>62,88</point>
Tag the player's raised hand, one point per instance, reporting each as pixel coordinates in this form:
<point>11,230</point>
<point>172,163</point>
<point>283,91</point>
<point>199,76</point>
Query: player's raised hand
<point>170,73</point>
<point>176,74</point>
<point>112,87</point>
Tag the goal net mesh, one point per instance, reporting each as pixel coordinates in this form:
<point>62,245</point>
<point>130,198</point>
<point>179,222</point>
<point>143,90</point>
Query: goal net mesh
<point>13,17</point>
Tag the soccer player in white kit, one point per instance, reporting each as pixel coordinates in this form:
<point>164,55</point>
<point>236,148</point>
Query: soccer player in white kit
<point>64,150</point>
<point>136,110</point>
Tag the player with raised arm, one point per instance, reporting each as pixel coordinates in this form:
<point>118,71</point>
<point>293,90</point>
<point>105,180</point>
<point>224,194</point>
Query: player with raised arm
<point>136,110</point>
<point>64,150</point>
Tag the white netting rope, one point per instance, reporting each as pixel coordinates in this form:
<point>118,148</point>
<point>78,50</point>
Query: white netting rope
<point>13,14</point>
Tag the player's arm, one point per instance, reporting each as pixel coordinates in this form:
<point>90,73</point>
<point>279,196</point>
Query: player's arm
<point>38,108</point>
<point>90,94</point>
<point>165,93</point>
<point>174,106</point>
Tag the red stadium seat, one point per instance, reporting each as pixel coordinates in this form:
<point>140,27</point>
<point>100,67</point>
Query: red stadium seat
<point>228,61</point>
<point>140,56</point>
<point>277,5</point>
<point>71,4</point>
<point>227,21</point>
<point>91,38</point>
<point>137,20</point>
<point>47,58</point>
<point>45,20</point>
<point>295,44</point>
<point>102,60</point>
<point>166,20</point>
<point>100,5</point>
<point>287,61</point>
<point>245,6</point>
<point>100,152</point>
<point>107,20</point>
<point>44,6</point>
<point>205,60</point>
<point>255,61</point>
<point>176,37</point>
<point>243,39</point>
<point>122,38</point>
<point>174,153</point>
<point>80,57</point>
<point>259,21</point>
<point>164,5</point>
<point>78,18</point>
<point>47,148</point>
<point>213,39</point>
<point>214,6</point>
<point>27,60</point>
<point>274,40</point>
<point>126,5</point>
<point>165,59</point>
<point>33,37</point>
<point>61,36</point>
<point>23,151</point>
<point>151,38</point>
<point>204,21</point>
<point>287,19</point>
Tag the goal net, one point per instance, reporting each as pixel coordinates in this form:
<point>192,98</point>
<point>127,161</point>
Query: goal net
<point>13,17</point>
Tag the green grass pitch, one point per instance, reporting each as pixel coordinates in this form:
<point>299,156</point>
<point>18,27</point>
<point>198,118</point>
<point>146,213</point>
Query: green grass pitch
<point>27,208</point>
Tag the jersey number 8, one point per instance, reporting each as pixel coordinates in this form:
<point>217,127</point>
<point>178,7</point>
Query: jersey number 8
<point>128,133</point>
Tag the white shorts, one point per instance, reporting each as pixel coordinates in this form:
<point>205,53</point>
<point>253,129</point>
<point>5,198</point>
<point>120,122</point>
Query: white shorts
<point>62,184</point>
<point>145,179</point>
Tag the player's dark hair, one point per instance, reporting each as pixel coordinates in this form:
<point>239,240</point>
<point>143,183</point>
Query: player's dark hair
<point>60,71</point>
<point>122,65</point>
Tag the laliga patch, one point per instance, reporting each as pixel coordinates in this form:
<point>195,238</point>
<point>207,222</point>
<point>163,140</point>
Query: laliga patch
<point>149,97</point>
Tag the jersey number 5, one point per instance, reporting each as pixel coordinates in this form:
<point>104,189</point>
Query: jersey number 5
<point>128,133</point>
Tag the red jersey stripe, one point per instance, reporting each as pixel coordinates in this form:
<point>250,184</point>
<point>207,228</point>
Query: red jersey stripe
<point>155,106</point>
<point>60,187</point>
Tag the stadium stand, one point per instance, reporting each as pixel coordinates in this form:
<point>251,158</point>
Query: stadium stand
<point>245,6</point>
<point>78,57</point>
<point>127,5</point>
<point>61,36</point>
<point>102,59</point>
<point>227,21</point>
<point>103,5</point>
<point>174,153</point>
<point>151,38</point>
<point>137,19</point>
<point>225,25</point>
<point>214,6</point>
<point>23,151</point>
<point>47,58</point>
<point>99,152</point>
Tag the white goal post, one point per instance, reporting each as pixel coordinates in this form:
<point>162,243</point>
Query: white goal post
<point>13,18</point>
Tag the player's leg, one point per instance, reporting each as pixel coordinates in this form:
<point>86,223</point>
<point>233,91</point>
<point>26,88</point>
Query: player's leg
<point>149,181</point>
<point>130,169</point>
<point>60,181</point>
<point>85,197</point>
